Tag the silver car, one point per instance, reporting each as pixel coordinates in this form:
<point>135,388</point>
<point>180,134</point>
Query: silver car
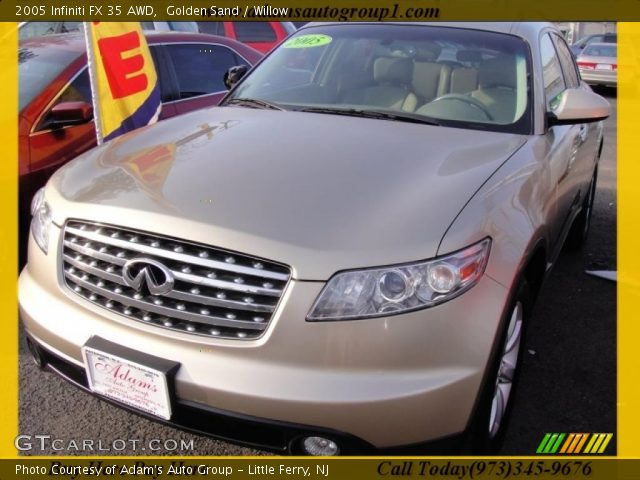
<point>340,259</point>
<point>598,64</point>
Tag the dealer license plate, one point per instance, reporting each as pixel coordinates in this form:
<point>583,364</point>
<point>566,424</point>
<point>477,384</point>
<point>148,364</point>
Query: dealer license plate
<point>139,386</point>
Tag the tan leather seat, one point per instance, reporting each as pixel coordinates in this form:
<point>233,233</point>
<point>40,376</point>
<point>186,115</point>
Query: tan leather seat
<point>497,87</point>
<point>430,78</point>
<point>465,79</point>
<point>393,90</point>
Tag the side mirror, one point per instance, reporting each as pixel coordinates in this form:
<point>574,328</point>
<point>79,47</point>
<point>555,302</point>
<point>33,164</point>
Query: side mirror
<point>234,74</point>
<point>576,105</point>
<point>71,113</point>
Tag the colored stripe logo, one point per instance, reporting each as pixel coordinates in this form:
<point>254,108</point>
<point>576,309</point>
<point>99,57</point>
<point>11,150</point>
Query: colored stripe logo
<point>574,443</point>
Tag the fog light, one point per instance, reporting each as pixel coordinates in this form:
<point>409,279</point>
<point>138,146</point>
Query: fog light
<point>318,446</point>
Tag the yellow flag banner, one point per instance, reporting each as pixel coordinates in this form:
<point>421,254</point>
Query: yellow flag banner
<point>124,83</point>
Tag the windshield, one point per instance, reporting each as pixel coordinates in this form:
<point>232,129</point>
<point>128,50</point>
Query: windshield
<point>38,66</point>
<point>184,26</point>
<point>583,41</point>
<point>600,50</point>
<point>451,76</point>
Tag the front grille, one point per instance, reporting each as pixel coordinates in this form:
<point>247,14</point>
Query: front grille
<point>215,292</point>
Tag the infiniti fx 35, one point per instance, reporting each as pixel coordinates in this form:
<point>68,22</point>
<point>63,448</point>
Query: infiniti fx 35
<point>342,257</point>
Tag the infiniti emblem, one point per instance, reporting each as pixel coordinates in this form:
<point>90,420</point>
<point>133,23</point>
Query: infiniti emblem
<point>143,271</point>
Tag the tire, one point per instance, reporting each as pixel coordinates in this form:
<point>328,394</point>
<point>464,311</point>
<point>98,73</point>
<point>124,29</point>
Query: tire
<point>486,431</point>
<point>579,232</point>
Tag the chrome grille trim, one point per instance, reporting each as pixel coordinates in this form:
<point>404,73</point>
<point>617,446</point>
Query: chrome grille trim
<point>177,294</point>
<point>182,276</point>
<point>168,312</point>
<point>226,285</point>
<point>214,302</point>
<point>179,257</point>
<point>217,293</point>
<point>93,270</point>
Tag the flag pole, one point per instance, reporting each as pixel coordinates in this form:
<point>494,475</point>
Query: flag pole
<point>91,66</point>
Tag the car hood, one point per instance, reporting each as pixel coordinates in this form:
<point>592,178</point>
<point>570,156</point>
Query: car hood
<point>318,192</point>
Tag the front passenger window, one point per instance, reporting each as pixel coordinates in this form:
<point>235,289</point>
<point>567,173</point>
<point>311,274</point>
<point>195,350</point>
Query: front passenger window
<point>568,65</point>
<point>552,73</point>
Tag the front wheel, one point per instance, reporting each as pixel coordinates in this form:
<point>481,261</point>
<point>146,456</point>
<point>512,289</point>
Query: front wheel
<point>489,424</point>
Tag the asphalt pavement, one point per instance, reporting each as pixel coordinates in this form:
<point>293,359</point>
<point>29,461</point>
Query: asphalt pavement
<point>567,383</point>
<point>568,376</point>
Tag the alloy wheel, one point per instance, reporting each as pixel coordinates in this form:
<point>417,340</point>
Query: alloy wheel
<point>506,370</point>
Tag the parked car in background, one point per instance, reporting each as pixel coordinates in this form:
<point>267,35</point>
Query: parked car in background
<point>364,289</point>
<point>598,64</point>
<point>578,46</point>
<point>55,113</point>
<point>37,29</point>
<point>191,27</point>
<point>262,36</point>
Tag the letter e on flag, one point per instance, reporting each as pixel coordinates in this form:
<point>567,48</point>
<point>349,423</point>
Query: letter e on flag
<point>125,75</point>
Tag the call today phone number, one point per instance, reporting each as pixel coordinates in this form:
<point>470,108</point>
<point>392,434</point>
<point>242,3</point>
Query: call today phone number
<point>506,469</point>
<point>481,469</point>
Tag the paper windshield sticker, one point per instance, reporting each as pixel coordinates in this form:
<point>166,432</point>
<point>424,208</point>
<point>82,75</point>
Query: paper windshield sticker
<point>308,41</point>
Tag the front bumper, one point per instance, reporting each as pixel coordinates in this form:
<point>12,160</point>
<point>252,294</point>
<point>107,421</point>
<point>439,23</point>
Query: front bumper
<point>375,383</point>
<point>274,436</point>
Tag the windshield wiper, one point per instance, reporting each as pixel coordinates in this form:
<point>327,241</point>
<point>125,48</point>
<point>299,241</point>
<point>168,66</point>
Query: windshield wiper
<point>253,103</point>
<point>375,114</point>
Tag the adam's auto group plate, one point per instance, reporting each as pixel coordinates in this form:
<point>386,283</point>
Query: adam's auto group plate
<point>128,382</point>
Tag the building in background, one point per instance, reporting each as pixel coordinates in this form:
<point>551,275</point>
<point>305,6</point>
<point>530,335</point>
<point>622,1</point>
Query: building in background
<point>574,31</point>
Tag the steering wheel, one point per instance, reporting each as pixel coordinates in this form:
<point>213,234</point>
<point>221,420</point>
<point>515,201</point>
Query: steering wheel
<point>467,99</point>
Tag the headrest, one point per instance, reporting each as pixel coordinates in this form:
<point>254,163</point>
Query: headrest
<point>498,72</point>
<point>395,70</point>
<point>427,52</point>
<point>470,56</point>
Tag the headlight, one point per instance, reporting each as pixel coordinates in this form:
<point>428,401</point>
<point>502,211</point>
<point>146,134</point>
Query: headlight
<point>392,290</point>
<point>41,220</point>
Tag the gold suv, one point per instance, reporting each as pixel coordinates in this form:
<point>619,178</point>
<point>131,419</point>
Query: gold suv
<point>339,259</point>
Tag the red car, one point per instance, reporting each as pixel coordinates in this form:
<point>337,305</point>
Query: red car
<point>262,36</point>
<point>55,119</point>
